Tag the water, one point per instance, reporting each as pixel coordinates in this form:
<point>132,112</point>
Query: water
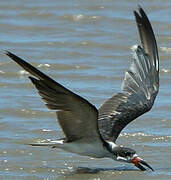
<point>84,45</point>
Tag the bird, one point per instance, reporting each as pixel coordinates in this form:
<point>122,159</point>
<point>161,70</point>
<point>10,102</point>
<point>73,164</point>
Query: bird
<point>93,132</point>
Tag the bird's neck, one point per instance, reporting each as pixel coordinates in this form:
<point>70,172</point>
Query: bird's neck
<point>110,146</point>
<point>110,149</point>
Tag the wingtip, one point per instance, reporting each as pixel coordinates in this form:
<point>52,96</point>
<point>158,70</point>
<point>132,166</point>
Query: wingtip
<point>8,53</point>
<point>139,7</point>
<point>137,16</point>
<point>135,12</point>
<point>33,80</point>
<point>143,14</point>
<point>140,12</point>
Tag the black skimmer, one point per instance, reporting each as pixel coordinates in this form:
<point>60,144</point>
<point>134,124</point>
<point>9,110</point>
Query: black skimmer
<point>92,132</point>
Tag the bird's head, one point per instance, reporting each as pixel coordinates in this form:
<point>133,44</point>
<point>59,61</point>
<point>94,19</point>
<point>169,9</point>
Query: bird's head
<point>129,155</point>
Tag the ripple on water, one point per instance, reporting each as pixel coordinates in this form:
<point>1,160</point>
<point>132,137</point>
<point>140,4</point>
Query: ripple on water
<point>86,46</point>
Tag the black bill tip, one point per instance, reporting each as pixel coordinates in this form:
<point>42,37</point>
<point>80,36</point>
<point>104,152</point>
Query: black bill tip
<point>140,163</point>
<point>145,164</point>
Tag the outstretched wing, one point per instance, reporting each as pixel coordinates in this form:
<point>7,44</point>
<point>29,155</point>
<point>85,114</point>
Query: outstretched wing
<point>140,85</point>
<point>77,117</point>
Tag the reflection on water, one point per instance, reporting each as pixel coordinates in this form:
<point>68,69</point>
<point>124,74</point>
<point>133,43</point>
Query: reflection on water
<point>86,47</point>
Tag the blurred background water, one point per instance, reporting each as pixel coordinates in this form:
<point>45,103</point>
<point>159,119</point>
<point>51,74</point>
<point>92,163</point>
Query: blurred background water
<point>85,46</point>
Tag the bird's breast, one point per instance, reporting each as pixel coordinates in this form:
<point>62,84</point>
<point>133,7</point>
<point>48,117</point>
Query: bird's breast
<point>96,149</point>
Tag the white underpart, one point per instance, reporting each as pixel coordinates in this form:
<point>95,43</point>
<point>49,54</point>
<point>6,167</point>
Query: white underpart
<point>135,155</point>
<point>119,158</point>
<point>81,147</point>
<point>112,145</point>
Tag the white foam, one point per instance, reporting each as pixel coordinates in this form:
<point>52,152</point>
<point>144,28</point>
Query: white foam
<point>165,70</point>
<point>47,130</point>
<point>134,47</point>
<point>2,72</point>
<point>43,65</point>
<point>165,49</point>
<point>78,17</point>
<point>23,72</point>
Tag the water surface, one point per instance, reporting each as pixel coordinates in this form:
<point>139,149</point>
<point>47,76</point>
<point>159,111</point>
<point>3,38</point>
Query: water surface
<point>84,45</point>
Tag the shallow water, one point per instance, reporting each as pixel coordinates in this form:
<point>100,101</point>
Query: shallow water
<point>84,45</point>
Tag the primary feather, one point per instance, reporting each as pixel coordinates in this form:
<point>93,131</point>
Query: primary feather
<point>140,85</point>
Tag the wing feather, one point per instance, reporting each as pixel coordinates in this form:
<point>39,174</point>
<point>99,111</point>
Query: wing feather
<point>77,117</point>
<point>140,85</point>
